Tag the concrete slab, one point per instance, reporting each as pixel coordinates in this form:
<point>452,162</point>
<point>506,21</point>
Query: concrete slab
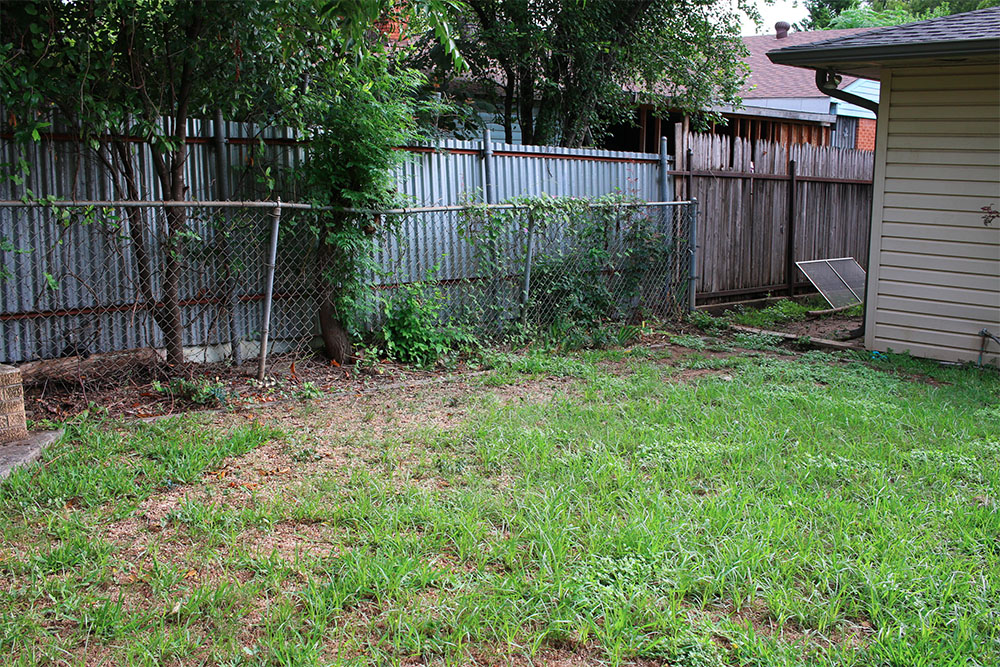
<point>23,452</point>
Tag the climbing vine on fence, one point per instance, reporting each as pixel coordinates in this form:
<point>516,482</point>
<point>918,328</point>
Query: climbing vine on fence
<point>556,266</point>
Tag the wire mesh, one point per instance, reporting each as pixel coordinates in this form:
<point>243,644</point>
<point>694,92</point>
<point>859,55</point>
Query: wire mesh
<point>500,271</point>
<point>122,282</point>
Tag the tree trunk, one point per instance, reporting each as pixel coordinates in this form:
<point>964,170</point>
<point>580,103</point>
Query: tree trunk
<point>168,311</point>
<point>336,340</point>
<point>526,106</point>
<point>173,327</point>
<point>165,311</point>
<point>508,106</point>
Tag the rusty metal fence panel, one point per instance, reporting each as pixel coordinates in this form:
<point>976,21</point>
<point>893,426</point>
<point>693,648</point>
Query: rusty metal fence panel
<point>86,279</point>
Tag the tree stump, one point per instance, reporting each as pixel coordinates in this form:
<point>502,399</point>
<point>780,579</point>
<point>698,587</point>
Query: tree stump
<point>12,424</point>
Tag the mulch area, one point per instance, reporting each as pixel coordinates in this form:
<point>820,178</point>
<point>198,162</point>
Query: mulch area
<point>129,391</point>
<point>831,327</point>
<point>125,386</point>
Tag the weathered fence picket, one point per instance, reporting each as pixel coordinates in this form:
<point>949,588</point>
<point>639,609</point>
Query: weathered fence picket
<point>763,207</point>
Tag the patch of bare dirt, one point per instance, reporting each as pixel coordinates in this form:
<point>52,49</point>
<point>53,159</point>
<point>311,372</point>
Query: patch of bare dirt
<point>853,634</point>
<point>691,374</point>
<point>830,327</point>
<point>130,390</point>
<point>327,438</point>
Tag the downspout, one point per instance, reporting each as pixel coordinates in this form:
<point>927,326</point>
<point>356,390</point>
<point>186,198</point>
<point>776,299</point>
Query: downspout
<point>827,82</point>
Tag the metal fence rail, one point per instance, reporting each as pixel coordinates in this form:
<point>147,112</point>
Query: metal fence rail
<point>100,278</point>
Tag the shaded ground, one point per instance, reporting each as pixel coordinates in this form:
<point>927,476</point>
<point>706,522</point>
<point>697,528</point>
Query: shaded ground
<point>132,393</point>
<point>831,327</point>
<point>138,385</point>
<point>660,505</point>
<point>143,390</point>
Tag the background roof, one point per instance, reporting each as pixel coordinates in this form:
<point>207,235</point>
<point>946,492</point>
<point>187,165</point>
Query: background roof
<point>970,26</point>
<point>769,80</point>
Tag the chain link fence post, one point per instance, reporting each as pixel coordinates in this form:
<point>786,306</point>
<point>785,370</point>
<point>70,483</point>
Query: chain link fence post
<point>692,252</point>
<point>269,289</point>
<point>526,282</point>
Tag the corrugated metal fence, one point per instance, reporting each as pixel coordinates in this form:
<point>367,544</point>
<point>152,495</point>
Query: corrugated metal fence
<point>447,173</point>
<point>48,304</point>
<point>453,172</point>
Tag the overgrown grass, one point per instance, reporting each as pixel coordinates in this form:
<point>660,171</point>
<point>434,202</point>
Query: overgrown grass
<point>774,314</point>
<point>824,510</point>
<point>779,312</point>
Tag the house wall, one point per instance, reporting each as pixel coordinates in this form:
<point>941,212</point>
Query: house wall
<point>865,88</point>
<point>936,277</point>
<point>807,104</point>
<point>865,138</point>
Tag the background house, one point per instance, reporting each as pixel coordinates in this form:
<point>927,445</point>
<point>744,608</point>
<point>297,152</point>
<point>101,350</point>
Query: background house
<point>934,277</point>
<point>772,86</point>
<point>780,105</point>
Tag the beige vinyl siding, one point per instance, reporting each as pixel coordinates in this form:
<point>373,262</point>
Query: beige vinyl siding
<point>936,266</point>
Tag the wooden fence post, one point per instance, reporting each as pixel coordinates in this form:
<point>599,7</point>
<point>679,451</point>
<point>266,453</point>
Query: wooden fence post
<point>664,173</point>
<point>790,230</point>
<point>690,185</point>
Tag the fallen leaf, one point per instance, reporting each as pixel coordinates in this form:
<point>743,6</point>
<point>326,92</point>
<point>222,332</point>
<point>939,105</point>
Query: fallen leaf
<point>190,573</point>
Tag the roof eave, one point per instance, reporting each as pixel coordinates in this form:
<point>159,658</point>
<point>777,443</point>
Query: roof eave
<point>831,58</point>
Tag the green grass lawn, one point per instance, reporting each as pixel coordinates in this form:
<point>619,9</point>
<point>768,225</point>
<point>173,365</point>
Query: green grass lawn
<point>623,507</point>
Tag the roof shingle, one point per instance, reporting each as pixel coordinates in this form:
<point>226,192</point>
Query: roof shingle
<point>970,26</point>
<point>769,80</point>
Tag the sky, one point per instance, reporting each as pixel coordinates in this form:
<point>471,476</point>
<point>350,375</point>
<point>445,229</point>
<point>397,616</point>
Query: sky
<point>780,10</point>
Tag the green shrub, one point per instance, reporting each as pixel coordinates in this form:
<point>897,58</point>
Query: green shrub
<point>688,340</point>
<point>707,323</point>
<point>415,332</point>
<point>308,391</point>
<point>761,341</point>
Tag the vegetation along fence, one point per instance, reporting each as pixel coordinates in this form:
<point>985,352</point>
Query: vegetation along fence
<point>109,282</point>
<point>764,207</point>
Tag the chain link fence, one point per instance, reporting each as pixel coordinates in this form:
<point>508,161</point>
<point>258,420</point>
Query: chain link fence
<point>110,290</point>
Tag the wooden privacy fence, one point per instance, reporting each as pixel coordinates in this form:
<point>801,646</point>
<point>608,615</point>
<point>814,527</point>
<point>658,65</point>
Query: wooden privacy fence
<point>763,207</point>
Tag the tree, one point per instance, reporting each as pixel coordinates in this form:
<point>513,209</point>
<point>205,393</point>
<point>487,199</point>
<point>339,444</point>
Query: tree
<point>822,12</point>
<point>566,70</point>
<point>839,14</point>
<point>868,17</point>
<point>352,152</point>
<point>119,69</point>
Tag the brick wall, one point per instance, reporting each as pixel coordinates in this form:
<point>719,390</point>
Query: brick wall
<point>866,135</point>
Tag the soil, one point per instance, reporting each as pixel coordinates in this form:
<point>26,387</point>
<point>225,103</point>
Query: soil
<point>830,327</point>
<point>138,387</point>
<point>132,392</point>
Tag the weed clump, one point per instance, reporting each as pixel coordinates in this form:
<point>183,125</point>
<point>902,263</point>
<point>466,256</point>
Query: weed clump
<point>200,391</point>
